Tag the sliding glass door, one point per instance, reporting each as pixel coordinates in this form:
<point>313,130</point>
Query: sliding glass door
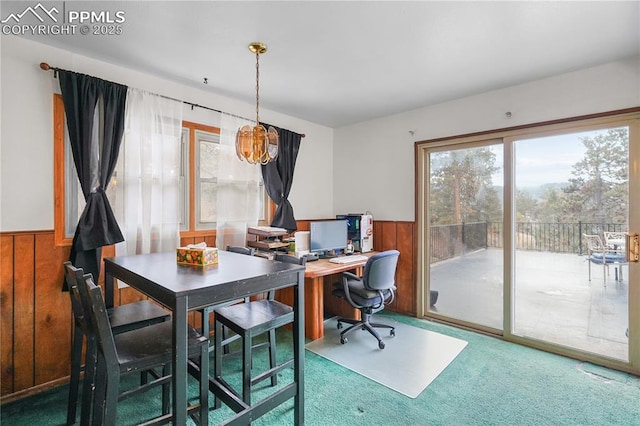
<point>465,233</point>
<point>569,187</point>
<point>522,234</point>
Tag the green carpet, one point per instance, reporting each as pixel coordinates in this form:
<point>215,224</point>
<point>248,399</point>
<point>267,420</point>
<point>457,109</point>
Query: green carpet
<point>490,382</point>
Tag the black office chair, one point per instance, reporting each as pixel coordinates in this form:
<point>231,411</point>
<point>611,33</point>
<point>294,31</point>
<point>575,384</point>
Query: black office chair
<point>133,351</point>
<point>122,318</point>
<point>249,320</point>
<point>369,293</point>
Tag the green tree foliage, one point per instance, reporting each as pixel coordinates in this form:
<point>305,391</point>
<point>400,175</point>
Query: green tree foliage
<point>461,189</point>
<point>551,206</point>
<point>598,188</point>
<point>526,207</point>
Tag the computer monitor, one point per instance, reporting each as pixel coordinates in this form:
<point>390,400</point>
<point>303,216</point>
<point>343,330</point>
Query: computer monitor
<point>327,236</point>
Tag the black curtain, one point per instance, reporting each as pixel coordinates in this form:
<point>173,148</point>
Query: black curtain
<point>97,226</point>
<point>278,178</point>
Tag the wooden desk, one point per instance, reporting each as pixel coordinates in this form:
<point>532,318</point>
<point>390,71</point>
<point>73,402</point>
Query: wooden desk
<point>184,288</point>
<point>314,292</point>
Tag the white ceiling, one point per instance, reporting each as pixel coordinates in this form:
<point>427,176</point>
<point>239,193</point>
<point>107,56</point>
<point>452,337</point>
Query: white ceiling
<point>338,63</point>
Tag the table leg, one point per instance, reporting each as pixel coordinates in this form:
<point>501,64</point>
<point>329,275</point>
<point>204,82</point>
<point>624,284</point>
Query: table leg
<point>180,362</point>
<point>108,289</point>
<point>298,348</point>
<point>314,308</point>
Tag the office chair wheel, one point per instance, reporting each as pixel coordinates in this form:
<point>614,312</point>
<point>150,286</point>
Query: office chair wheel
<point>343,340</point>
<point>381,344</point>
<point>392,332</point>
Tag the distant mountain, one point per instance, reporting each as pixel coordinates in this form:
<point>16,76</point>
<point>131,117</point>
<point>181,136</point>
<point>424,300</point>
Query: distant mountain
<point>538,192</point>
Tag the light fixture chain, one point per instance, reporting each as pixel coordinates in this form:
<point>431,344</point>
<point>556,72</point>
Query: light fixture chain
<point>257,89</point>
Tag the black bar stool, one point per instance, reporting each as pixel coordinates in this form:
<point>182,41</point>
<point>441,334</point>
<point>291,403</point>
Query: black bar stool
<point>249,320</point>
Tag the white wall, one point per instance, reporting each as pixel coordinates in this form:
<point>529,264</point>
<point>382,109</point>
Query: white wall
<point>26,129</point>
<point>376,158</point>
<point>364,167</point>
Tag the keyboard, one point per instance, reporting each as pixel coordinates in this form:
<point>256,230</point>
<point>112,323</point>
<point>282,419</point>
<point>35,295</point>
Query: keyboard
<point>349,259</point>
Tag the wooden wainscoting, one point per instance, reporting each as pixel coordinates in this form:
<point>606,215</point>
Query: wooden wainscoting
<point>35,314</point>
<point>389,235</point>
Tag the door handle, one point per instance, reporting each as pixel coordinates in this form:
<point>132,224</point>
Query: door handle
<point>633,248</point>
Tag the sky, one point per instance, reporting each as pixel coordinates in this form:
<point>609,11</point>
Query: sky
<point>544,160</point>
<point>549,159</point>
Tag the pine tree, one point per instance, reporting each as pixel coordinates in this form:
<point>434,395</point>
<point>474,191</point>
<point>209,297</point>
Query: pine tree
<point>461,187</point>
<point>598,190</point>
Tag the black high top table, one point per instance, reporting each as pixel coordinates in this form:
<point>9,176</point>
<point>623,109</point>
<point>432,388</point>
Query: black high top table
<point>183,288</point>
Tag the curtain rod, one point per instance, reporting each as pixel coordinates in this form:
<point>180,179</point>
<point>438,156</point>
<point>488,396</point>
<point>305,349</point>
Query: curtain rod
<point>46,67</point>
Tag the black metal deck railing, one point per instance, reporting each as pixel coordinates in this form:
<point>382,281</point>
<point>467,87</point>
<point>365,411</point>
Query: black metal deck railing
<point>449,241</point>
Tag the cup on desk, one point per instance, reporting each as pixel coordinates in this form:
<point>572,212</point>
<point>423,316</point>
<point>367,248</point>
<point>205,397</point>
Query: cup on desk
<point>349,249</point>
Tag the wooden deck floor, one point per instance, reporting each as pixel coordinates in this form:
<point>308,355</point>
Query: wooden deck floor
<point>554,299</point>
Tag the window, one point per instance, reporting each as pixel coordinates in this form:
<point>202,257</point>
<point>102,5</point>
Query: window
<point>206,179</point>
<point>68,198</point>
<point>199,203</point>
<point>198,181</point>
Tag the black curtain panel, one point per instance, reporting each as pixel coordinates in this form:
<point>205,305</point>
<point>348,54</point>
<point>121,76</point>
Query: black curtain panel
<point>97,226</point>
<point>278,178</point>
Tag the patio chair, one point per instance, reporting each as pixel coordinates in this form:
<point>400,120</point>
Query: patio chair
<point>600,254</point>
<point>615,240</point>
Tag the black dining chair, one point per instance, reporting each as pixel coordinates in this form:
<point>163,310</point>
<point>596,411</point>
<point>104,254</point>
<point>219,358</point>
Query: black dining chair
<point>122,318</point>
<point>249,320</point>
<point>144,349</point>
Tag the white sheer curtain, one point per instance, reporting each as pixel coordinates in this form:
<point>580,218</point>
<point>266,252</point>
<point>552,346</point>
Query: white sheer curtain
<point>237,200</point>
<point>150,174</point>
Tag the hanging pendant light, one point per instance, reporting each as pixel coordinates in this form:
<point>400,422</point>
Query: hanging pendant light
<point>256,144</point>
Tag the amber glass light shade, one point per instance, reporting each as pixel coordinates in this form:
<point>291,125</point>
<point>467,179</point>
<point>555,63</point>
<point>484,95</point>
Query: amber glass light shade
<point>256,144</point>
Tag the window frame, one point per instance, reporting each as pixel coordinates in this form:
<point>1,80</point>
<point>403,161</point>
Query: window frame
<point>60,165</point>
<point>193,230</point>
<point>59,191</point>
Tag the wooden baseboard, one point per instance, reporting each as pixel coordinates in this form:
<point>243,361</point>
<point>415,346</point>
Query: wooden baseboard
<point>33,390</point>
